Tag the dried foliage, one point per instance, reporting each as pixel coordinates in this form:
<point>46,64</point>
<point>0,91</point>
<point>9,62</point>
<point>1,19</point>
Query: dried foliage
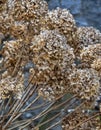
<point>65,72</point>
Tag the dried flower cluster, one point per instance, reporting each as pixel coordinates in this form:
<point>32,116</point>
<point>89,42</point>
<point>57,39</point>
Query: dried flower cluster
<point>50,39</point>
<point>28,10</point>
<point>88,36</point>
<point>62,20</point>
<point>13,53</point>
<point>53,59</point>
<point>22,14</point>
<point>85,82</point>
<point>90,54</point>
<point>11,86</point>
<point>66,58</point>
<point>2,5</point>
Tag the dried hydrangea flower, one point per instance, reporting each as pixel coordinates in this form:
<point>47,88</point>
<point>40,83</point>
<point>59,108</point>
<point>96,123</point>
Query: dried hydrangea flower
<point>53,59</point>
<point>14,54</point>
<point>5,23</point>
<point>85,83</point>
<point>88,36</point>
<point>2,5</point>
<point>97,65</point>
<point>90,53</point>
<point>62,20</point>
<point>30,12</point>
<point>18,30</point>
<point>9,86</point>
<point>29,9</point>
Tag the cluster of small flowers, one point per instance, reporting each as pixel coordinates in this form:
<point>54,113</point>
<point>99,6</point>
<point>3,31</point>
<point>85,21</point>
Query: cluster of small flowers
<point>87,36</point>
<point>62,20</point>
<point>53,42</point>
<point>12,55</point>
<point>85,83</point>
<point>11,86</point>
<point>53,59</point>
<point>2,5</point>
<point>91,53</point>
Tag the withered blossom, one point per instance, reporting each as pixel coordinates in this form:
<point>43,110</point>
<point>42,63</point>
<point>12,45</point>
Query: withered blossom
<point>26,10</point>
<point>96,64</point>
<point>11,86</point>
<point>30,12</point>
<point>53,59</point>
<point>62,20</point>
<point>51,41</point>
<point>86,36</point>
<point>90,53</point>
<point>2,5</point>
<point>85,83</point>
<point>13,53</point>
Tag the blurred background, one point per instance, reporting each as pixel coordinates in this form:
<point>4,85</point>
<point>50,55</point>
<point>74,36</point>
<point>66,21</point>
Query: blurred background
<point>85,12</point>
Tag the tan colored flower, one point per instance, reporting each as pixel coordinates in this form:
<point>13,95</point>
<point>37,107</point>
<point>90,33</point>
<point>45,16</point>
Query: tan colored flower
<point>62,20</point>
<point>86,36</point>
<point>85,83</point>
<point>53,59</point>
<point>9,86</point>
<point>97,65</point>
<point>29,9</point>
<point>2,5</point>
<point>90,53</point>
<point>14,55</point>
